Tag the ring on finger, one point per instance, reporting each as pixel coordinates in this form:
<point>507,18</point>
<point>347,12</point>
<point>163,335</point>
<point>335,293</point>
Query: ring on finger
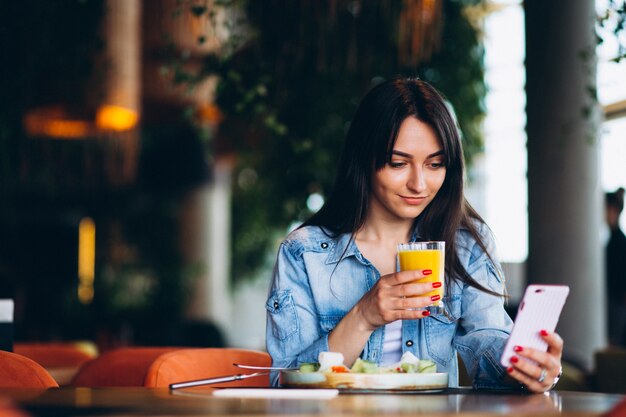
<point>542,375</point>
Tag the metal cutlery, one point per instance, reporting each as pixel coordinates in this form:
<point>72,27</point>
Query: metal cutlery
<point>215,380</point>
<point>266,368</point>
<point>208,381</point>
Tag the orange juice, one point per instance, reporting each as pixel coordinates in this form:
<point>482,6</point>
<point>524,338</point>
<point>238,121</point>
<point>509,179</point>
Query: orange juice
<point>420,259</point>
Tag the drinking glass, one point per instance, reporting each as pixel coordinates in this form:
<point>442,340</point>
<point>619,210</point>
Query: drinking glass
<point>426,255</point>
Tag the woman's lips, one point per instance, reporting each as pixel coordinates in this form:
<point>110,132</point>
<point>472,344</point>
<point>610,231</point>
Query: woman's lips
<point>414,201</point>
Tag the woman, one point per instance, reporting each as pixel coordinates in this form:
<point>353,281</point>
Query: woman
<point>336,286</point>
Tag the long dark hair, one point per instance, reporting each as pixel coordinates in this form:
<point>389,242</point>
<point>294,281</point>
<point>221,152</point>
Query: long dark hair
<point>369,143</point>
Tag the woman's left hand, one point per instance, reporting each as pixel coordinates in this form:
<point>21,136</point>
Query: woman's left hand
<point>542,375</point>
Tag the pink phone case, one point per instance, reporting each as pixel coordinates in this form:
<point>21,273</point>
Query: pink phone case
<point>540,309</point>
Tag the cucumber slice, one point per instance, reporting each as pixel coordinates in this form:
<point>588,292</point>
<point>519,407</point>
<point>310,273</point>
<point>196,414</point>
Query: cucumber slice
<point>308,367</point>
<point>426,366</point>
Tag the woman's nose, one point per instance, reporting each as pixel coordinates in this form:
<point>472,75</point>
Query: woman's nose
<point>417,182</point>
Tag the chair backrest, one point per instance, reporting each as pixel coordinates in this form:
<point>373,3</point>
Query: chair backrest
<point>17,371</point>
<point>123,367</point>
<point>192,364</point>
<point>610,371</point>
<point>55,354</point>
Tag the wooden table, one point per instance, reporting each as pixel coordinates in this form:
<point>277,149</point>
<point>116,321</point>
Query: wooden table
<point>115,402</point>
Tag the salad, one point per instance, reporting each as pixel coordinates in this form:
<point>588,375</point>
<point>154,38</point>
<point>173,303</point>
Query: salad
<point>332,362</point>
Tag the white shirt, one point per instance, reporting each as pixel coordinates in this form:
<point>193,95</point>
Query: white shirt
<point>392,344</point>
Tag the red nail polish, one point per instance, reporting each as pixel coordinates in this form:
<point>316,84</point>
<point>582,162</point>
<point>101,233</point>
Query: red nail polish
<point>518,348</point>
<point>543,332</point>
<point>509,369</point>
<point>425,313</point>
<point>435,297</point>
<point>436,284</point>
<point>514,359</point>
<point>427,271</point>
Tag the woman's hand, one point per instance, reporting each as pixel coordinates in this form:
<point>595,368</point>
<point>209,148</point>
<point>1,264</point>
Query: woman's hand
<point>542,375</point>
<point>397,296</point>
<point>394,297</point>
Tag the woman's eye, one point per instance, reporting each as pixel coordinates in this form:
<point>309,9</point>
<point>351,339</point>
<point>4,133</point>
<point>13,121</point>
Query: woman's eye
<point>436,165</point>
<point>397,164</point>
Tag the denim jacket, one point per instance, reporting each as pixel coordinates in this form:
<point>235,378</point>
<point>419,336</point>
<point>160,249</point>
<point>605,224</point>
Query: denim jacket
<point>318,278</point>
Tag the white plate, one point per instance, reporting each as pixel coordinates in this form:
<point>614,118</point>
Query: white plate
<point>354,381</point>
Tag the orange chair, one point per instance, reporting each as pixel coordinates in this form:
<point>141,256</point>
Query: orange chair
<point>61,359</point>
<point>17,371</point>
<point>192,364</point>
<point>54,354</point>
<point>123,367</point>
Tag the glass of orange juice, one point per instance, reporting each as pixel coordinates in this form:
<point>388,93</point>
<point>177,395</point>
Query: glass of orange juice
<point>426,255</point>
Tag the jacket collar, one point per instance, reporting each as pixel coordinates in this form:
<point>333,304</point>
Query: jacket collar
<point>344,246</point>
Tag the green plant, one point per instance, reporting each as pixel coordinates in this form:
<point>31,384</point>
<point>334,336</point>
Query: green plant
<point>289,90</point>
<point>612,23</point>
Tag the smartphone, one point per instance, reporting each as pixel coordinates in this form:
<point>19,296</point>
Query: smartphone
<point>539,310</point>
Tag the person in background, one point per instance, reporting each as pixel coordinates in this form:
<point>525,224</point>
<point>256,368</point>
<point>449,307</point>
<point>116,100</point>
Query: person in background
<point>336,286</point>
<point>616,268</point>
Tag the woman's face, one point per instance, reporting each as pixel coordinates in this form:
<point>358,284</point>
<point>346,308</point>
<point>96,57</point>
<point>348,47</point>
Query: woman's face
<point>406,185</point>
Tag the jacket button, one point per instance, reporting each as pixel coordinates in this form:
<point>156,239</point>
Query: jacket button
<point>409,343</point>
<point>275,304</point>
<point>324,245</point>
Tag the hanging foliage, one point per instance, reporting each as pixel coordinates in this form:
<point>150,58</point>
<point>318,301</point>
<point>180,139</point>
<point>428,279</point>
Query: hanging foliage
<point>290,81</point>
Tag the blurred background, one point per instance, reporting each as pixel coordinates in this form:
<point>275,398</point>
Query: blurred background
<point>154,153</point>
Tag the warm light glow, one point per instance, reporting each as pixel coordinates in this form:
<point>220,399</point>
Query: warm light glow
<point>66,128</point>
<point>86,259</point>
<point>210,113</point>
<point>55,123</point>
<point>110,117</point>
<point>85,293</point>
